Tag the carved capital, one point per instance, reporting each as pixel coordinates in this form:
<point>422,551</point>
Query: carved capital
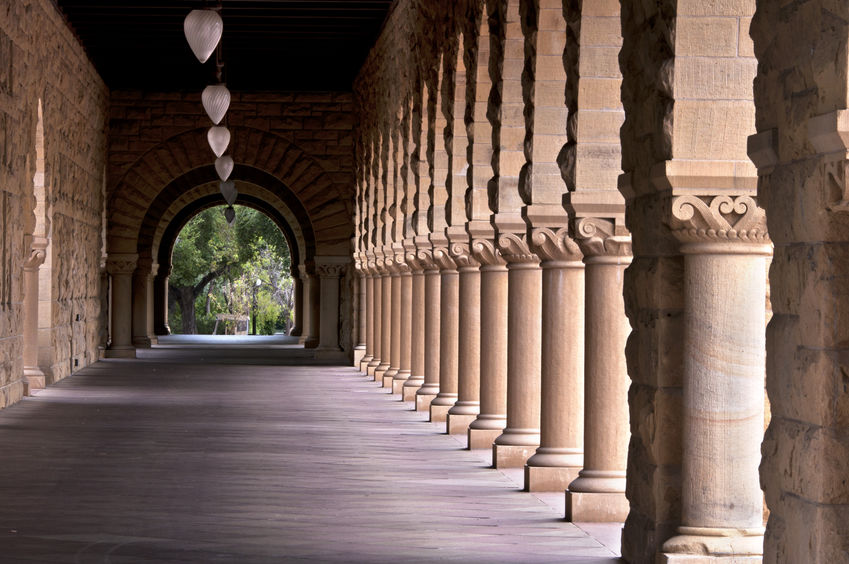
<point>553,245</point>
<point>35,259</point>
<point>426,259</point>
<point>598,237</point>
<point>704,219</point>
<point>836,181</point>
<point>144,266</point>
<point>330,270</point>
<point>515,250</point>
<point>461,253</point>
<point>486,253</point>
<point>121,263</point>
<point>442,257</point>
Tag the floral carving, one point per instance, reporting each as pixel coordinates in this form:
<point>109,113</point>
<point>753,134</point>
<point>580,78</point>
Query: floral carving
<point>514,248</point>
<point>721,218</point>
<point>557,245</point>
<point>121,264</point>
<point>597,237</point>
<point>443,259</point>
<point>426,259</point>
<point>486,253</point>
<point>462,255</point>
<point>330,270</point>
<point>36,259</point>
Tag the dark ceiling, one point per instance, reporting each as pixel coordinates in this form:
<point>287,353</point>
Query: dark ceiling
<point>267,45</point>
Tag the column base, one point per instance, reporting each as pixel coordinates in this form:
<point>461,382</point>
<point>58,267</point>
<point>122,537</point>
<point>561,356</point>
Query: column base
<point>398,385</point>
<point>458,423</point>
<point>438,413</point>
<point>388,377</point>
<point>411,386</point>
<point>331,354</point>
<point>379,373</point>
<point>121,352</point>
<point>707,559</point>
<point>371,367</point>
<point>142,342</point>
<point>423,401</point>
<point>34,380</point>
<point>596,507</point>
<point>359,355</point>
<point>710,545</point>
<point>363,364</point>
<point>311,343</point>
<point>549,478</point>
<point>483,438</point>
<point>511,456</point>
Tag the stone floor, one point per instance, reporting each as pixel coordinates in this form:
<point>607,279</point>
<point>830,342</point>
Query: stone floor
<point>212,454</point>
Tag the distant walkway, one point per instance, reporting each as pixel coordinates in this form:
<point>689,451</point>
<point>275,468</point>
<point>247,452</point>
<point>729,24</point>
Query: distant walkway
<point>154,460</point>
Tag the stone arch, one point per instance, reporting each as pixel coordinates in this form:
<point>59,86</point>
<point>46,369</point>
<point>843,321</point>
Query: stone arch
<point>259,154</point>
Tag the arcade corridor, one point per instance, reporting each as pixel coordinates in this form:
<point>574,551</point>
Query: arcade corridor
<point>171,458</point>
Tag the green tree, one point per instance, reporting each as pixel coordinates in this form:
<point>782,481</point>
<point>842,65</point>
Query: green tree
<point>236,269</point>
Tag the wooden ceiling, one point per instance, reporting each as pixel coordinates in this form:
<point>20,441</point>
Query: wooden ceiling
<point>267,45</point>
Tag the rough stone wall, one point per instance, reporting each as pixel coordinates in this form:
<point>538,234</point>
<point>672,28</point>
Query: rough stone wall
<point>801,94</point>
<point>41,59</point>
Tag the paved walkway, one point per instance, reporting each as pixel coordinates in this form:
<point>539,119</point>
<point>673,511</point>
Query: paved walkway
<point>171,458</point>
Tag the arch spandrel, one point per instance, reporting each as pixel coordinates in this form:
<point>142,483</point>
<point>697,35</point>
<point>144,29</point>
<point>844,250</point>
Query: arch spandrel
<point>264,158</point>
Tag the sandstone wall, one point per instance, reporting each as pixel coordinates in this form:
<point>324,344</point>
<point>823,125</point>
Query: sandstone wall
<point>40,59</point>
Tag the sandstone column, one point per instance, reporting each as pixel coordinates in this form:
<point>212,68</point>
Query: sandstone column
<point>368,312</point>
<point>449,288</point>
<point>298,298</point>
<point>491,420</point>
<point>417,328</point>
<point>560,455</point>
<point>430,386</point>
<point>329,269</point>
<point>142,298</point>
<point>725,248</point>
<point>404,324</point>
<point>376,264</point>
<point>33,376</point>
<point>395,324</point>
<point>121,267</point>
<point>524,332</point>
<point>598,494</point>
<point>360,293</point>
<point>388,262</point>
<point>467,406</point>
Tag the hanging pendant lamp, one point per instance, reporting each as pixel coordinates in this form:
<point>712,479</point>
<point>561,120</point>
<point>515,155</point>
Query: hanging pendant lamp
<point>224,166</point>
<point>219,139</point>
<point>230,214</point>
<point>203,30</point>
<point>228,190</point>
<point>216,100</point>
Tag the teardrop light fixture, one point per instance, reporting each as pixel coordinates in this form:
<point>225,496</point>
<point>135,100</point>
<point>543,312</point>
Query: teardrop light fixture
<point>228,190</point>
<point>230,214</point>
<point>219,139</point>
<point>216,100</point>
<point>203,30</point>
<point>224,166</point>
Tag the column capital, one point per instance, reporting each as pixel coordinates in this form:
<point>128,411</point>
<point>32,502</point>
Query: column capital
<point>144,266</point>
<point>35,259</point>
<point>555,245</point>
<point>425,258</point>
<point>330,270</point>
<point>121,263</point>
<point>599,237</point>
<point>461,254</point>
<point>711,219</point>
<point>487,253</point>
<point>515,249</point>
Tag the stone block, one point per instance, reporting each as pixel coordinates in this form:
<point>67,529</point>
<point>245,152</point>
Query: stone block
<point>714,79</point>
<point>606,31</point>
<point>599,94</point>
<point>438,413</point>
<point>482,438</point>
<point>706,37</point>
<point>712,129</point>
<point>716,8</point>
<point>594,507</point>
<point>511,456</point>
<point>599,62</point>
<point>548,478</point>
<point>423,401</point>
<point>456,424</point>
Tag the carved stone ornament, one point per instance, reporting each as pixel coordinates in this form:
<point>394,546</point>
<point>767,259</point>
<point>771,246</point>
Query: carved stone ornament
<point>557,246</point>
<point>121,264</point>
<point>515,250</point>
<point>370,263</point>
<point>426,259</point>
<point>443,259</point>
<point>836,185</point>
<point>596,237</point>
<point>462,255</point>
<point>401,265</point>
<point>718,219</point>
<point>330,270</point>
<point>36,259</point>
<point>486,253</point>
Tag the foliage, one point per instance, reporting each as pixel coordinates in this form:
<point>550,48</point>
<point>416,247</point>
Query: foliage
<point>243,269</point>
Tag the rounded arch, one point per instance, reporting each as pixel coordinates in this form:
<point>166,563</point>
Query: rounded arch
<point>313,195</point>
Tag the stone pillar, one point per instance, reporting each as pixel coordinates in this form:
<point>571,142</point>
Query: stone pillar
<point>492,419</point>
<point>725,247</point>
<point>360,293</point>
<point>329,270</point>
<point>385,317</point>
<point>34,379</point>
<point>142,298</point>
<point>376,313</point>
<point>449,288</point>
<point>430,386</point>
<point>417,328</point>
<point>524,332</point>
<point>297,328</point>
<point>598,494</point>
<point>121,268</point>
<point>368,313</point>
<point>560,455</point>
<point>405,312</point>
<point>395,321</point>
<point>160,301</point>
<point>467,406</point>
<point>311,295</point>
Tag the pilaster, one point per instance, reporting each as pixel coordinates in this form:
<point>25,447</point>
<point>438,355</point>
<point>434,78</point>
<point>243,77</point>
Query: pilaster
<point>329,269</point>
<point>121,267</point>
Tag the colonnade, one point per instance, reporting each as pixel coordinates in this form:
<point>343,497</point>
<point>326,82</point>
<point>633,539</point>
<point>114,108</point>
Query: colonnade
<point>588,303</point>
